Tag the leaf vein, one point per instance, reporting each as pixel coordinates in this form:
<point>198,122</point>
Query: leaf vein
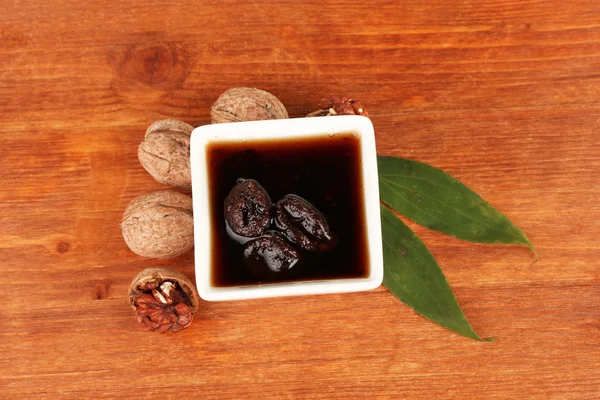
<point>417,278</point>
<point>468,217</point>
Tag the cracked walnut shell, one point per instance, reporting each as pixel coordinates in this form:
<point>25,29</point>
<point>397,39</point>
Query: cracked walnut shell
<point>339,106</point>
<point>159,224</point>
<point>164,300</point>
<point>246,104</point>
<point>165,152</point>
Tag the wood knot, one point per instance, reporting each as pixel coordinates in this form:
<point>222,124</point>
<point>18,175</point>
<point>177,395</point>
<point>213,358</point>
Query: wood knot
<point>154,65</point>
<point>100,290</point>
<point>63,247</point>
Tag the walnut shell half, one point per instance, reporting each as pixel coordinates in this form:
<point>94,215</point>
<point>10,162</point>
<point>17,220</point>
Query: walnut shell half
<point>165,152</point>
<point>159,224</point>
<point>164,300</point>
<point>246,104</point>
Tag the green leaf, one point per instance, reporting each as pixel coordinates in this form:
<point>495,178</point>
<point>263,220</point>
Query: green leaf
<point>414,277</point>
<point>436,200</point>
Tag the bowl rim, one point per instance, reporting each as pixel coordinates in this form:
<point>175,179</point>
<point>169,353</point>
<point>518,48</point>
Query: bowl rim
<point>274,130</point>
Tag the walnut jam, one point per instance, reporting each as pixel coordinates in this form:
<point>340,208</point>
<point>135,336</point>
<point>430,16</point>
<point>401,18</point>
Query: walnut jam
<point>289,210</point>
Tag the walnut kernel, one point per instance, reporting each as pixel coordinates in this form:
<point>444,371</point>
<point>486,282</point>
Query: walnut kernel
<point>164,300</point>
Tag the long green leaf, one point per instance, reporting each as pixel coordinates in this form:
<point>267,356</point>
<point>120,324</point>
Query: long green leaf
<point>436,200</point>
<point>414,277</point>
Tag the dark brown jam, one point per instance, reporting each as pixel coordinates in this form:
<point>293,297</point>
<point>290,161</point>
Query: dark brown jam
<point>287,210</point>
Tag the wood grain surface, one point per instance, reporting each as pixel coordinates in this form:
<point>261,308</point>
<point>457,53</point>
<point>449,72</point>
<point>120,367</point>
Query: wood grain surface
<point>503,94</point>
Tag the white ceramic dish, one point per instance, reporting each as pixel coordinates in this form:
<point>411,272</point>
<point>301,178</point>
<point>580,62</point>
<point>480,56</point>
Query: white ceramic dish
<point>276,130</point>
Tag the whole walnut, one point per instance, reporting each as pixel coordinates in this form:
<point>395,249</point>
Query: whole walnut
<point>164,300</point>
<point>165,152</point>
<point>246,104</point>
<point>159,224</point>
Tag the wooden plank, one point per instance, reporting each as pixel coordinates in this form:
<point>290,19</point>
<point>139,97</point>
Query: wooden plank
<point>504,95</point>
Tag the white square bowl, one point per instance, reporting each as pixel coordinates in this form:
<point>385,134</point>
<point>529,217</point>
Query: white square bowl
<point>277,130</point>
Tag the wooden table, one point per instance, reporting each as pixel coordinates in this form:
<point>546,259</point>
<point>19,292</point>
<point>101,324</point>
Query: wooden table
<point>504,95</point>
